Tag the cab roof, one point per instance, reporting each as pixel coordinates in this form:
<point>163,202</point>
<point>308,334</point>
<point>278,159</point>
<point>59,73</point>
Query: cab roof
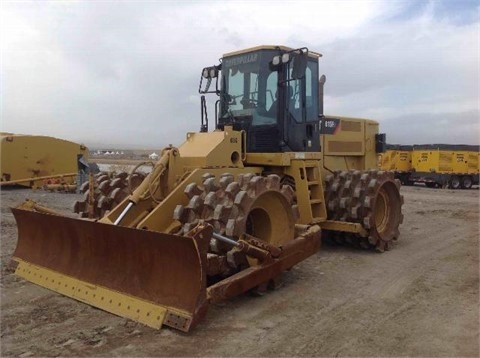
<point>270,47</point>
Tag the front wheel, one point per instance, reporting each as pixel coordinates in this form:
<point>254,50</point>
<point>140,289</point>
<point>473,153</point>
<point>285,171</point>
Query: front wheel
<point>249,204</point>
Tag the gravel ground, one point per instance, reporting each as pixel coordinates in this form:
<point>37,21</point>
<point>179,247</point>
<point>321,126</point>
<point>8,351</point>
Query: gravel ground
<point>419,299</point>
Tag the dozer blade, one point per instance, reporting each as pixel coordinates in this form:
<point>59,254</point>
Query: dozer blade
<point>146,276</point>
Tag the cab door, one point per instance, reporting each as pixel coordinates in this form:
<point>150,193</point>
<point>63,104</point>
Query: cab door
<point>301,111</point>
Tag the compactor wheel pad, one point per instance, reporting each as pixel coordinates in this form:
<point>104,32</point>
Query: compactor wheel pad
<point>258,205</point>
<point>109,191</point>
<point>371,198</point>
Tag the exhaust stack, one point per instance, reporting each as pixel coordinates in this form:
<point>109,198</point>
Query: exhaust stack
<point>321,84</point>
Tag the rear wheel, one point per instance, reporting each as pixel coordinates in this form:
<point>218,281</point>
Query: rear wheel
<point>370,198</point>
<point>467,182</point>
<point>455,182</point>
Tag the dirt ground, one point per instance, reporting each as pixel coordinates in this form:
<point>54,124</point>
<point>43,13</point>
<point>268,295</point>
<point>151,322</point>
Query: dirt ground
<point>419,299</point>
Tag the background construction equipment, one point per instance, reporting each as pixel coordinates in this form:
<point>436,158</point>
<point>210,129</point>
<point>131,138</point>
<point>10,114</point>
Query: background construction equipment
<point>436,165</point>
<point>31,160</point>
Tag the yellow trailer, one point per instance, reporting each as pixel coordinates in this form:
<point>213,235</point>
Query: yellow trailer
<point>398,158</point>
<point>445,165</point>
<point>29,160</point>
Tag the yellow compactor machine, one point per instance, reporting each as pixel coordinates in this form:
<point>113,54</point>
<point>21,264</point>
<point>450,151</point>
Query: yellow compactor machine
<point>224,213</point>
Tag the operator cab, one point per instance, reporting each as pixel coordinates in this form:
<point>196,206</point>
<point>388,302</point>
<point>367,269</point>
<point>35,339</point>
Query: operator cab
<point>271,93</point>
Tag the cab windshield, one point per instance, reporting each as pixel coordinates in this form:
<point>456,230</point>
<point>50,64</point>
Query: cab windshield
<point>249,87</point>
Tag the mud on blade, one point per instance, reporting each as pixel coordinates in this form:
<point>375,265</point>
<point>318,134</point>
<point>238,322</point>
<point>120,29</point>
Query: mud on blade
<point>146,276</point>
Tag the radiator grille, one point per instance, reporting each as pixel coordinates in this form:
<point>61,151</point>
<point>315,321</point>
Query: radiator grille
<point>350,126</point>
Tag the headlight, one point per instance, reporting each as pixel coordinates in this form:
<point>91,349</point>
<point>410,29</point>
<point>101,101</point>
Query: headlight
<point>276,60</point>
<point>213,72</point>
<point>205,73</point>
<point>285,57</point>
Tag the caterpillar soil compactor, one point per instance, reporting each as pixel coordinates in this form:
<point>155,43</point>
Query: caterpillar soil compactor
<point>224,213</point>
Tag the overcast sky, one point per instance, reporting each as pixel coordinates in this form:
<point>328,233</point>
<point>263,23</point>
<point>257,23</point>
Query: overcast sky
<point>125,73</point>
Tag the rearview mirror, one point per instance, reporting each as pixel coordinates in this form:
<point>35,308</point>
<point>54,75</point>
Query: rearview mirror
<point>299,66</point>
